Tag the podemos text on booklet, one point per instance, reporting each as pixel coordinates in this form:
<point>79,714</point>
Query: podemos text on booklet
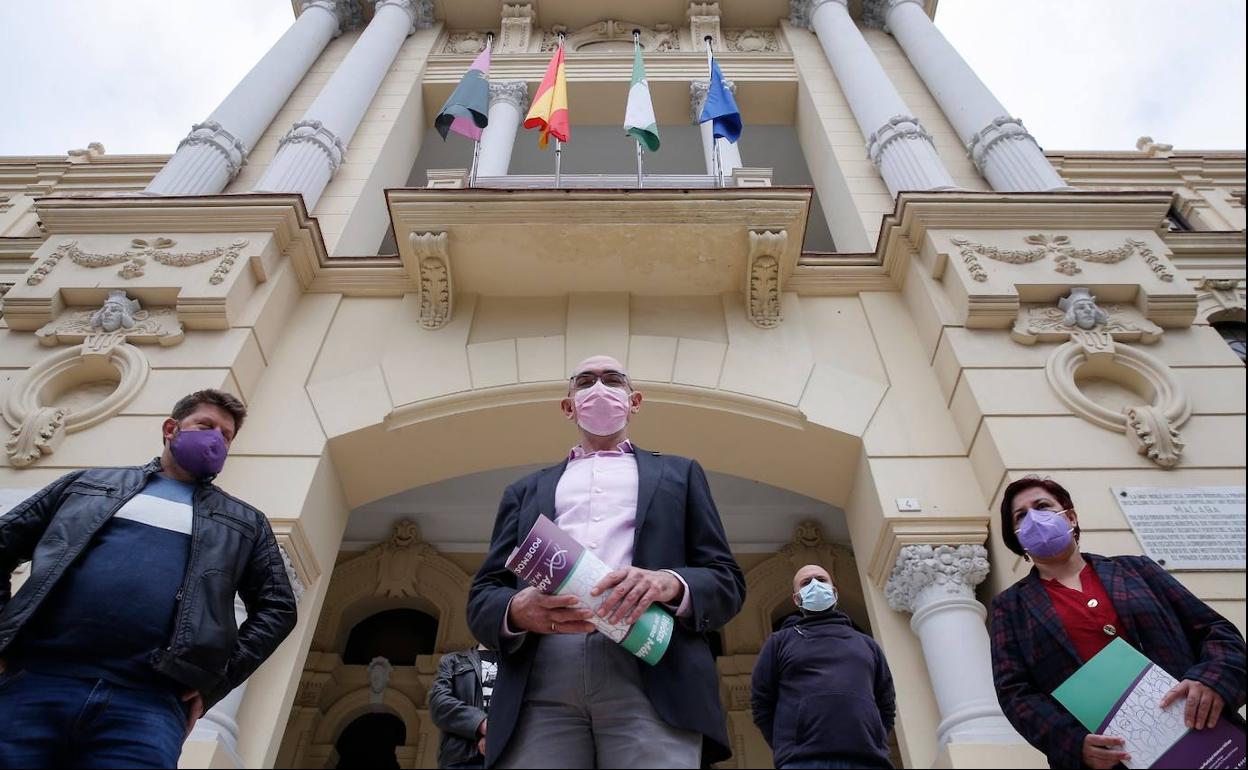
<point>1118,692</point>
<point>553,562</point>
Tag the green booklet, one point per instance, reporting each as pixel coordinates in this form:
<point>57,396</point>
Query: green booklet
<point>1119,693</point>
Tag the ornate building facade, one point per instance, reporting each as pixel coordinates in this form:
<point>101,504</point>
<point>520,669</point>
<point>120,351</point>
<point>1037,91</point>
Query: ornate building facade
<point>890,304</point>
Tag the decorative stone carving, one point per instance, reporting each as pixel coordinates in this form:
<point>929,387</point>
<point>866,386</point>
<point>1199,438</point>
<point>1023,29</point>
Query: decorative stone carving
<point>704,22</point>
<point>103,357</point>
<point>39,434</point>
<point>1003,128</point>
<point>762,283</point>
<point>1154,435</point>
<point>898,127</point>
<point>697,97</point>
<point>134,260</point>
<point>466,43</point>
<point>379,671</point>
<point>1078,317</point>
<point>517,27</point>
<point>1146,145</point>
<point>802,11</point>
<point>434,261</point>
<point>119,319</point>
<point>296,584</point>
<point>922,570</point>
<point>660,37</point>
<point>211,134</point>
<point>1065,256</point>
<point>399,561</point>
<point>1091,332</point>
<point>751,41</point>
<point>514,91</point>
<point>91,152</point>
<point>419,11</point>
<point>1221,294</point>
<point>314,132</point>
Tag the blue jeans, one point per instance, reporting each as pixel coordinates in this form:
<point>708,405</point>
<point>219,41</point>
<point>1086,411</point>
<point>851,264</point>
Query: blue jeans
<point>59,721</point>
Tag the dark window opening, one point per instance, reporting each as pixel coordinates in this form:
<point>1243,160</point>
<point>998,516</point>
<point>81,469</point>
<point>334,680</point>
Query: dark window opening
<point>396,635</point>
<point>1236,335</point>
<point>1176,222</point>
<point>370,742</point>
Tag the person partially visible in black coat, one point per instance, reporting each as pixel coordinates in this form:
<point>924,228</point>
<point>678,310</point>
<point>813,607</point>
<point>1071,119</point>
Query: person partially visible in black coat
<point>459,704</point>
<point>822,693</point>
<point>568,696</point>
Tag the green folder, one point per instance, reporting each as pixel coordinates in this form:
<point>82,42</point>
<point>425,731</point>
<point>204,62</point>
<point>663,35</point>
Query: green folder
<point>1093,692</point>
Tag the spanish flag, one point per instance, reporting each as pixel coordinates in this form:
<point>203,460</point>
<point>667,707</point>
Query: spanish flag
<point>550,104</point>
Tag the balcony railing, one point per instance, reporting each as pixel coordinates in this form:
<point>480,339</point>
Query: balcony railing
<point>459,178</point>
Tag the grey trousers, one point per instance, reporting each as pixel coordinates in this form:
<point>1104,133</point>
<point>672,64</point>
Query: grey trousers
<point>584,707</point>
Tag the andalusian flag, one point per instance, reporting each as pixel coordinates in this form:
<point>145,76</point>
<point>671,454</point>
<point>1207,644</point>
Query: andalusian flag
<point>550,104</point>
<point>467,111</point>
<point>639,116</point>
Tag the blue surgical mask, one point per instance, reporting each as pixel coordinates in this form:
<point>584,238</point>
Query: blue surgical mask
<point>816,596</point>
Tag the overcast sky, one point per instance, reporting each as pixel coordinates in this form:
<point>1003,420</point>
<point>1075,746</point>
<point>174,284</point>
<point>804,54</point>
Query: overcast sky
<point>1081,74</point>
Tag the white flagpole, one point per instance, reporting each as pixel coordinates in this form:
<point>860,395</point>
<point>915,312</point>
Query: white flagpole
<point>558,144</point>
<point>636,46</point>
<point>719,177</point>
<point>476,143</point>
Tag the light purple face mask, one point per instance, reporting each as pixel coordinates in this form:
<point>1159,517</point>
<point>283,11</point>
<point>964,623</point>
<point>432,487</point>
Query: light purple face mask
<point>1045,533</point>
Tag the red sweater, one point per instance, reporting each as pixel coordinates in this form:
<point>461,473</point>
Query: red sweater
<point>1088,616</point>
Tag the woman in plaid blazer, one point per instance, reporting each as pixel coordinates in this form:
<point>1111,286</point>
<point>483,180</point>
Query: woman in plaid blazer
<point>1048,624</point>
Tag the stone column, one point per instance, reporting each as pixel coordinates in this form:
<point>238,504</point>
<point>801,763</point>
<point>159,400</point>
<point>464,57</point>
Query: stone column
<point>313,149</point>
<point>220,724</point>
<point>1001,148</point>
<point>212,154</point>
<point>937,584</point>
<point>509,101</point>
<point>897,143</point>
<point>729,152</point>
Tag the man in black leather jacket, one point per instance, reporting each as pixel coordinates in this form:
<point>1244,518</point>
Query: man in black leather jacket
<point>124,633</point>
<point>459,702</point>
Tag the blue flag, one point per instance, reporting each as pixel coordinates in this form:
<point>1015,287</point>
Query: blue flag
<point>721,108</point>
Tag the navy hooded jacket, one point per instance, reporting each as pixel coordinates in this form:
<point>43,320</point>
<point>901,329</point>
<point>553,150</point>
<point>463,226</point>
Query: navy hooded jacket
<point>822,689</point>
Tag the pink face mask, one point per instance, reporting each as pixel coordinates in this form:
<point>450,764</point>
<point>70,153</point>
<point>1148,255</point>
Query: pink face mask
<point>601,410</point>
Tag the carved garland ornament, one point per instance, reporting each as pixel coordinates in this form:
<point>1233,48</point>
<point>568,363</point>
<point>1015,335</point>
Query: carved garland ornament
<point>660,37</point>
<point>102,352</point>
<point>134,260</point>
<point>436,297</point>
<point>1066,257</point>
<point>762,282</point>
<point>1094,335</point>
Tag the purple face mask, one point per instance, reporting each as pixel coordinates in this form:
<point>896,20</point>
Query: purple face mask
<point>201,453</point>
<point>1045,533</point>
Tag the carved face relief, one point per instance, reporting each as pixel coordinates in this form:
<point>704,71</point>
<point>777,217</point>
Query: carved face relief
<point>1085,313</point>
<point>112,317</point>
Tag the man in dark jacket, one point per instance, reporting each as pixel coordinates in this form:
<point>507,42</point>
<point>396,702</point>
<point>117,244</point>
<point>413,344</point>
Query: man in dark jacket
<point>570,697</point>
<point>124,632</point>
<point>822,692</point>
<point>459,702</point>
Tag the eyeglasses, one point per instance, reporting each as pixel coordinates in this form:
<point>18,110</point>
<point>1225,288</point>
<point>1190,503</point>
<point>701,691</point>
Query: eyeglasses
<point>611,379</point>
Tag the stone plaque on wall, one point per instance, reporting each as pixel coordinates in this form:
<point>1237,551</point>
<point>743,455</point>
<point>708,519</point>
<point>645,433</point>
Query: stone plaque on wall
<point>1187,527</point>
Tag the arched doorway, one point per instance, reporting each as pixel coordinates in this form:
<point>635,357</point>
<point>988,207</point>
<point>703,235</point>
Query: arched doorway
<point>370,742</point>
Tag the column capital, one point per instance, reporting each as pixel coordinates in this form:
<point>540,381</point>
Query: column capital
<point>924,573</point>
<point>1001,128</point>
<point>419,11</point>
<point>345,12</point>
<point>875,12</point>
<point>315,132</point>
<point>211,134</point>
<point>802,12</point>
<point>898,127</point>
<point>697,96</point>
<point>515,92</point>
